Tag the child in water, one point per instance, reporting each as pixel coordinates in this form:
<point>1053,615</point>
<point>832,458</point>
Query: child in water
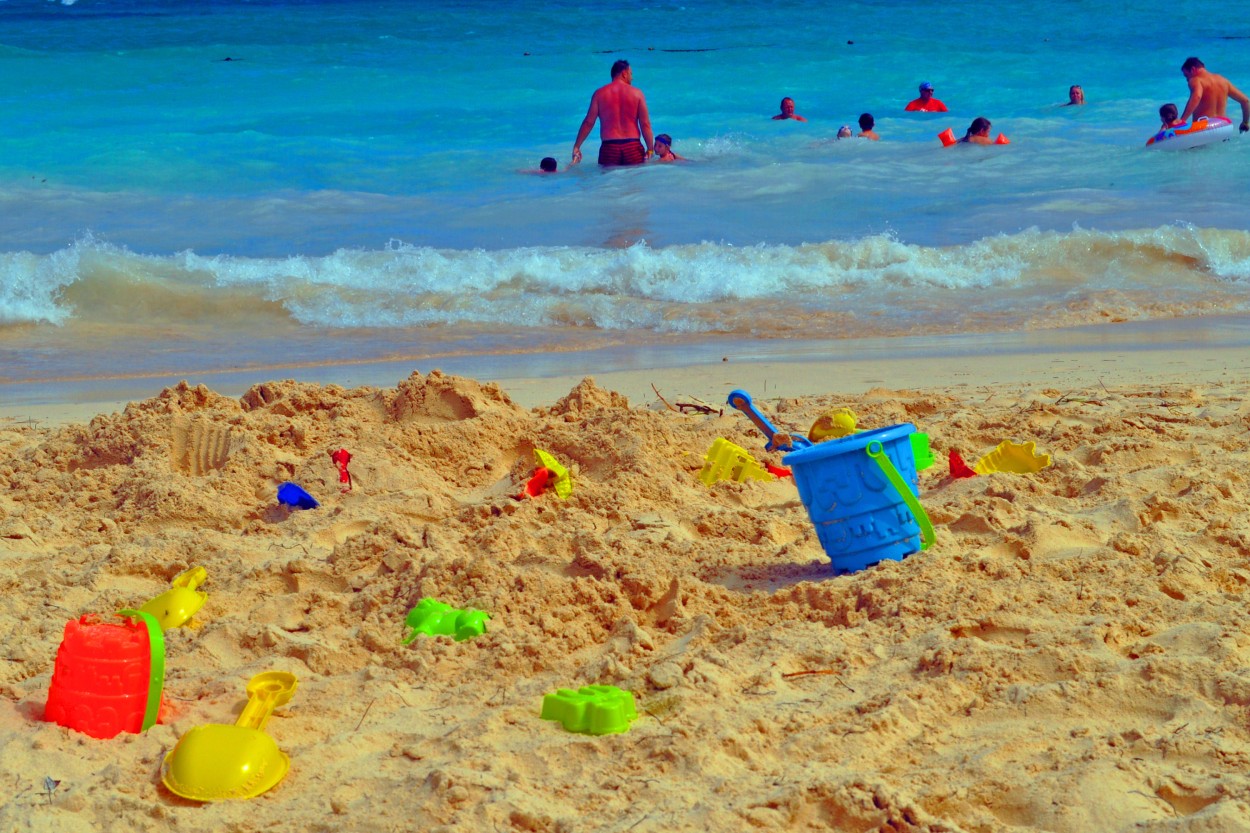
<point>664,149</point>
<point>1168,114</point>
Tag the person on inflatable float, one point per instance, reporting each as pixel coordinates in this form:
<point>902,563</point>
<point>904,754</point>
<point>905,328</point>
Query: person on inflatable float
<point>1209,94</point>
<point>1167,114</point>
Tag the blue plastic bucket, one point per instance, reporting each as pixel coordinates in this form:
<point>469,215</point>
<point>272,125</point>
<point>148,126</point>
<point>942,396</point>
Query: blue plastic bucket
<point>861,518</point>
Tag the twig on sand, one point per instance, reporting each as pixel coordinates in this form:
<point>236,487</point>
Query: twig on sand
<point>820,672</point>
<point>640,821</point>
<point>1068,397</point>
<point>662,399</point>
<point>700,406</point>
<point>366,714</point>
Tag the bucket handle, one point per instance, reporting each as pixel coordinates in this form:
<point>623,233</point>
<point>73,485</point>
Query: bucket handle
<point>156,665</point>
<point>877,453</point>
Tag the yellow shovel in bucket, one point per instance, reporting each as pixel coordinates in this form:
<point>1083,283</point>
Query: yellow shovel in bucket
<point>216,761</point>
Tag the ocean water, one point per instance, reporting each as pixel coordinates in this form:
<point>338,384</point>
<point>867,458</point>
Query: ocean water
<point>350,184</point>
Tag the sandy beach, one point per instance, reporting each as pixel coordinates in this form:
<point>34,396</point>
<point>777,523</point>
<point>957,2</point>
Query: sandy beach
<point>1069,656</point>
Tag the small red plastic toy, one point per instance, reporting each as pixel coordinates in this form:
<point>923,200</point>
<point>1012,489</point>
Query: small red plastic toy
<point>537,483</point>
<point>778,471</point>
<point>959,468</point>
<point>342,457</point>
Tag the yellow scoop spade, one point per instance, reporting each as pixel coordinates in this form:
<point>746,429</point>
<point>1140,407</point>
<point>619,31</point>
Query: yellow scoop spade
<point>180,602</point>
<point>215,762</point>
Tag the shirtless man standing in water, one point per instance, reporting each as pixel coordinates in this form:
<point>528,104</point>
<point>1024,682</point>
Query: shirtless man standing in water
<point>621,110</point>
<point>1209,94</point>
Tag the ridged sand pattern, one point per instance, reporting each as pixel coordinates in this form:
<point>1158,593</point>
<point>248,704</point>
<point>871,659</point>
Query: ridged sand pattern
<point>198,446</point>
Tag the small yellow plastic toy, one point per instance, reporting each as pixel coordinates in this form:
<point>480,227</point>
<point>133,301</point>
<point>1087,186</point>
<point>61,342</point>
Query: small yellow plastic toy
<point>832,424</point>
<point>216,761</point>
<point>726,461</point>
<point>1017,458</point>
<point>181,601</point>
<point>562,483</point>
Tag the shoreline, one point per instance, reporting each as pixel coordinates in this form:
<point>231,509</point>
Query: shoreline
<point>1143,352</point>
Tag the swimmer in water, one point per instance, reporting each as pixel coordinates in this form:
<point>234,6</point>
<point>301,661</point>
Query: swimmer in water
<point>926,103</point>
<point>978,132</point>
<point>664,149</point>
<point>787,111</point>
<point>866,125</point>
<point>621,110</point>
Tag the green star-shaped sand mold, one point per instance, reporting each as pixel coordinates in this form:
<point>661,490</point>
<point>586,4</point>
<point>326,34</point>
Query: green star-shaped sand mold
<point>591,710</point>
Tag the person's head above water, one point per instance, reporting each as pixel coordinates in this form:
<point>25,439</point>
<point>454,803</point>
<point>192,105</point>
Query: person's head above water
<point>548,165</point>
<point>787,111</point>
<point>664,139</point>
<point>619,67</point>
<point>866,121</point>
<point>1076,95</point>
<point>1168,113</point>
<point>845,132</point>
<point>1191,64</point>
<point>980,126</point>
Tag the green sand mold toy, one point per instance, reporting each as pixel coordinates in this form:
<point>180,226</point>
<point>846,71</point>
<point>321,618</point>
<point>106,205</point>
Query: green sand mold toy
<point>591,710</point>
<point>434,618</point>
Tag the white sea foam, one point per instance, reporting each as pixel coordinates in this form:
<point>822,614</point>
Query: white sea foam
<point>697,288</point>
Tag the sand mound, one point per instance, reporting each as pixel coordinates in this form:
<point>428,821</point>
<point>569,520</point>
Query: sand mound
<point>1070,656</point>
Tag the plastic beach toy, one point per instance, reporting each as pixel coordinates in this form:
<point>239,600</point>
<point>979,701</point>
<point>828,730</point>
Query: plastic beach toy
<point>537,482</point>
<point>295,497</point>
<point>921,451</point>
<point>777,440</point>
<point>860,493</point>
<point>591,710</point>
<point>726,461</point>
<point>341,458</point>
<point>557,477</point>
<point>959,469</point>
<point>181,601</point>
<point>1017,458</point>
<point>108,676</point>
<point>434,618</point>
<point>832,424</point>
<point>216,761</point>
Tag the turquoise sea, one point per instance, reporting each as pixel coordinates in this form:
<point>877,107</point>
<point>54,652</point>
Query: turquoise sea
<point>194,186</point>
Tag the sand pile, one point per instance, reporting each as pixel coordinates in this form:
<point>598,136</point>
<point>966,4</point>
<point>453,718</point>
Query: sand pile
<point>1072,655</point>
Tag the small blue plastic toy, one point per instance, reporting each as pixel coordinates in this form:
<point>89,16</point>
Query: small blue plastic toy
<point>295,497</point>
<point>777,440</point>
